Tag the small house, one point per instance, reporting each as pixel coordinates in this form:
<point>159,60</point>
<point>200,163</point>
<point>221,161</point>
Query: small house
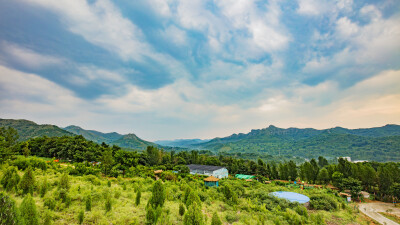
<point>211,181</point>
<point>215,171</point>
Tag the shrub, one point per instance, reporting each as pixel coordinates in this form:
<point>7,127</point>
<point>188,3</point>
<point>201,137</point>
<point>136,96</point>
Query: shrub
<point>22,163</point>
<point>93,179</point>
<point>138,196</point>
<point>49,202</point>
<point>158,196</point>
<point>109,183</point>
<point>10,179</point>
<point>108,203</point>
<point>231,218</point>
<point>117,194</point>
<point>215,219</point>
<point>29,212</point>
<point>43,188</point>
<point>27,183</point>
<point>64,182</point>
<point>181,209</point>
<point>193,215</point>
<point>193,198</point>
<point>88,202</point>
<point>301,210</point>
<point>81,216</point>
<point>318,219</point>
<point>323,202</point>
<point>47,218</point>
<point>8,211</point>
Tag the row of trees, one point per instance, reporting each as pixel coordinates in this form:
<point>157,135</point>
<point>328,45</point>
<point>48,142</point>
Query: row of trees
<point>380,178</point>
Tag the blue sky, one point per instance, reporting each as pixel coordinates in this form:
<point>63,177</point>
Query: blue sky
<point>167,69</point>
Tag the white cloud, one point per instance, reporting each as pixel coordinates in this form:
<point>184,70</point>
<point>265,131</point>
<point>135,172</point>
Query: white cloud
<point>27,57</point>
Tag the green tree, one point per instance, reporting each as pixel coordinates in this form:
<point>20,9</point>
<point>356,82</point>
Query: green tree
<point>8,211</point>
<point>27,183</point>
<point>138,196</point>
<point>158,195</point>
<point>215,219</point>
<point>353,185</point>
<point>28,211</point>
<point>337,179</point>
<point>10,179</point>
<point>25,150</point>
<point>322,162</point>
<point>323,176</point>
<point>193,216</point>
<point>8,142</point>
<point>107,161</point>
<point>292,170</point>
<point>395,191</point>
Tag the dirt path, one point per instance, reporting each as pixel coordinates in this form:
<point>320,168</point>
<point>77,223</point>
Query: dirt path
<point>372,210</point>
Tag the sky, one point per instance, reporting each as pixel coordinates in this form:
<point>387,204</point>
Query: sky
<point>169,69</point>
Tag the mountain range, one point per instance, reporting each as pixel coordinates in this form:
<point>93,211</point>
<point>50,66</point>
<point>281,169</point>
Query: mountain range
<point>378,143</point>
<point>28,129</point>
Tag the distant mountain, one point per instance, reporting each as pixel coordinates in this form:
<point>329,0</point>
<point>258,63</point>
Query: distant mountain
<point>28,129</point>
<point>124,141</point>
<point>93,135</point>
<point>380,143</point>
<point>182,143</point>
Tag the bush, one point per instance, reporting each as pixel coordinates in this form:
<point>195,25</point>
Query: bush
<point>323,202</point>
<point>81,216</point>
<point>27,183</point>
<point>49,202</point>
<point>93,179</point>
<point>22,163</point>
<point>108,203</point>
<point>29,212</point>
<point>10,179</point>
<point>43,188</point>
<point>88,202</point>
<point>181,209</point>
<point>193,215</point>
<point>47,218</point>
<point>215,219</point>
<point>138,196</point>
<point>231,218</point>
<point>8,211</point>
<point>158,196</point>
<point>64,182</point>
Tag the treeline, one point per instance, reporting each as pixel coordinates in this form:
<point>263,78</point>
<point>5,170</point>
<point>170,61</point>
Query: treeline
<point>382,179</point>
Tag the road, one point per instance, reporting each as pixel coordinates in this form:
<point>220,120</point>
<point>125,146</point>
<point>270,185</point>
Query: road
<point>372,210</point>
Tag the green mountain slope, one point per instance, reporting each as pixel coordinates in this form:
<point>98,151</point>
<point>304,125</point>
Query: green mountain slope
<point>380,144</point>
<point>28,129</point>
<point>93,135</point>
<point>130,141</point>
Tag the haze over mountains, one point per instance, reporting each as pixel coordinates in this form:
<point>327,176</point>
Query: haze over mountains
<point>378,143</point>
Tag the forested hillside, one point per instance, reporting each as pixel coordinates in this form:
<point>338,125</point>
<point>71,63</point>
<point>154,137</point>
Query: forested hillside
<point>28,129</point>
<point>381,144</point>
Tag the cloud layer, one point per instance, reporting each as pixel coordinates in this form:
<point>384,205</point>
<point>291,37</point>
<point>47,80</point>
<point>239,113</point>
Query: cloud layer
<point>185,69</point>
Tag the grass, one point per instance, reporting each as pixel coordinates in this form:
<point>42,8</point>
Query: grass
<point>391,216</point>
<point>124,211</point>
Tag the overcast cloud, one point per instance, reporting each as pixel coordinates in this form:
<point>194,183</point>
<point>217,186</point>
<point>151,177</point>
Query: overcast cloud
<point>200,68</point>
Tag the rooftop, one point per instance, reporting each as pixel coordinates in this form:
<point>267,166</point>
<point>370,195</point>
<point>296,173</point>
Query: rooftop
<point>211,179</point>
<point>204,167</point>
